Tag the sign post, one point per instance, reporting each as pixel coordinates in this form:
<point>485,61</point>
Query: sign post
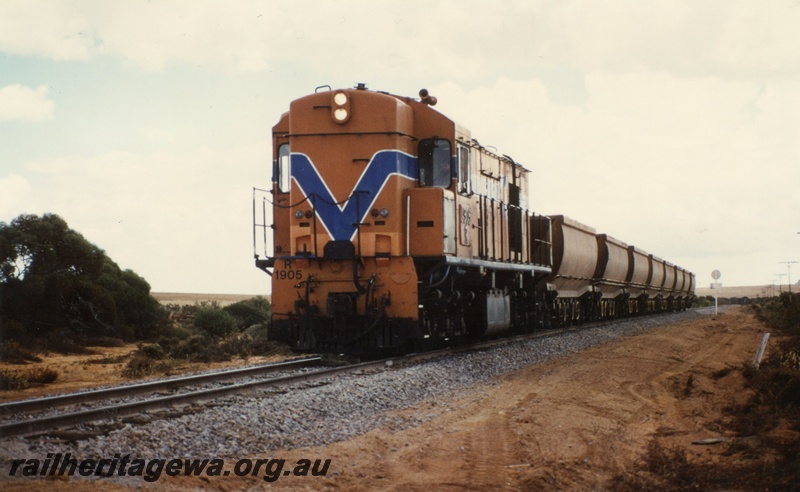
<point>715,287</point>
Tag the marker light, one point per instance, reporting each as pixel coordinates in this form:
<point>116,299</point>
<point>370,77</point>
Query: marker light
<point>384,212</point>
<point>299,214</point>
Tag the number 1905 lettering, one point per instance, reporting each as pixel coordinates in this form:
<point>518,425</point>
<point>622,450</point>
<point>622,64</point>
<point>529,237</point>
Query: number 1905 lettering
<point>289,274</point>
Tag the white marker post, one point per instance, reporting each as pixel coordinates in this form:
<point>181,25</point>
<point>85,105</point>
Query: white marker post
<point>761,349</point>
<point>715,287</point>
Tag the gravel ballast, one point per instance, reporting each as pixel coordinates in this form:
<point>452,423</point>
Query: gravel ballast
<point>337,409</point>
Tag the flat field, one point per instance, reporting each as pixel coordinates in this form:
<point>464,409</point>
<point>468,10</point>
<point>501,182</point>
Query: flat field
<point>752,291</point>
<point>191,299</point>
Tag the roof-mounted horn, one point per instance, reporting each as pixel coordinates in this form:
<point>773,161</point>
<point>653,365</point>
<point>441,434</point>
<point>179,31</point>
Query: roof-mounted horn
<point>426,98</point>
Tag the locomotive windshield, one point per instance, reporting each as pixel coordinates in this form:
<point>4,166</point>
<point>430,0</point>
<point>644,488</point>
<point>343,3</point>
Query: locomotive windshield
<point>434,162</point>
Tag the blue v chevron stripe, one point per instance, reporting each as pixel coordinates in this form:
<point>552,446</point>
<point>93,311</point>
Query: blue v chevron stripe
<point>339,219</point>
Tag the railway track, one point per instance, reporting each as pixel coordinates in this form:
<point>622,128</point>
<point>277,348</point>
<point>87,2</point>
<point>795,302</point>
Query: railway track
<point>44,425</point>
<point>38,425</point>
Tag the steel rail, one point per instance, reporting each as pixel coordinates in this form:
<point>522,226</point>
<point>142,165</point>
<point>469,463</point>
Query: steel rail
<point>32,405</point>
<point>45,424</point>
<point>41,426</point>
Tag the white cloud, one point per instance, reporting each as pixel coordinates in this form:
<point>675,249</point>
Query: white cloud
<point>700,171</point>
<point>52,29</point>
<point>173,218</point>
<point>13,191</point>
<point>403,40</point>
<point>672,125</point>
<point>761,39</point>
<point>237,35</point>
<point>22,103</point>
<point>158,134</point>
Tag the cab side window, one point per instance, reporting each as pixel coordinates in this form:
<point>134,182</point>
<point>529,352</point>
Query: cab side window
<point>434,162</point>
<point>284,169</point>
<point>464,185</point>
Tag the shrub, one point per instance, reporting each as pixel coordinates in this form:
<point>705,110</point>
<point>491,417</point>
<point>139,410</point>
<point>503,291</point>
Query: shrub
<point>174,334</point>
<point>258,331</point>
<point>215,322</point>
<point>146,360</point>
<point>152,351</point>
<point>198,348</point>
<point>250,312</point>
<point>12,380</point>
<point>782,313</point>
<point>13,352</point>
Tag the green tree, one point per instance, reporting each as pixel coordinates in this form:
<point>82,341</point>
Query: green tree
<point>39,246</point>
<point>52,279</point>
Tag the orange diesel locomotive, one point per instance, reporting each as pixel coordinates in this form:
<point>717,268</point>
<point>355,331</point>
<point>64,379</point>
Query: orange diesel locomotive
<point>393,229</point>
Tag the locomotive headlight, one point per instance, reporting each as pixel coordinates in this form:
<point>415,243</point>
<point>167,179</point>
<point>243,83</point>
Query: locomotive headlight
<point>340,107</point>
<point>340,114</point>
<point>384,212</point>
<point>299,214</point>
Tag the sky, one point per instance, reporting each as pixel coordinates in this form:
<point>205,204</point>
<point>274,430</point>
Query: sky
<point>671,125</point>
